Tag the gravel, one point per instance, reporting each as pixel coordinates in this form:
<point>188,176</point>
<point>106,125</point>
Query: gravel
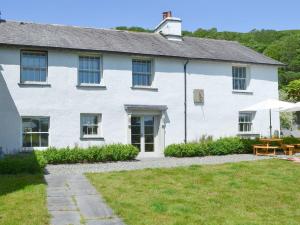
<point>148,163</point>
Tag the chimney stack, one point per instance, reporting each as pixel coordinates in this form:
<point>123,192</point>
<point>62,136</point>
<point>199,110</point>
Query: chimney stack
<point>167,14</point>
<point>169,27</point>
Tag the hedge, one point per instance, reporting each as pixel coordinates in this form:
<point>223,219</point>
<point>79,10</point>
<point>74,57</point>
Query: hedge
<point>31,162</point>
<point>222,146</point>
<point>115,152</point>
<point>35,161</point>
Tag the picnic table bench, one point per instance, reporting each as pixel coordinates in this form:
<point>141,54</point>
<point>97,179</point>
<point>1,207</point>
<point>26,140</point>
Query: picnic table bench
<point>267,149</point>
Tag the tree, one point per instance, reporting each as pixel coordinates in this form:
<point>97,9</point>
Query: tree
<point>293,90</point>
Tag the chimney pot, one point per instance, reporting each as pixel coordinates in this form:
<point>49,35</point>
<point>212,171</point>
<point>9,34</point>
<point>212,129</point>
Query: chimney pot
<point>167,14</point>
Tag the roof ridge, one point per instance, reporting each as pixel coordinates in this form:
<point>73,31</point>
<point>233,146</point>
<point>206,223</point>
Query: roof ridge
<point>211,39</point>
<point>79,27</point>
<point>127,42</point>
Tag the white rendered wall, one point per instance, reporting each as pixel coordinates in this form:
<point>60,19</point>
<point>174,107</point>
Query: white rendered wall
<point>63,101</point>
<point>10,120</point>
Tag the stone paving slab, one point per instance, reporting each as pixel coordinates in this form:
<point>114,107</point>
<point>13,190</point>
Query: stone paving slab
<point>58,192</point>
<point>73,200</point>
<point>113,221</point>
<point>65,218</point>
<point>61,203</point>
<point>92,207</point>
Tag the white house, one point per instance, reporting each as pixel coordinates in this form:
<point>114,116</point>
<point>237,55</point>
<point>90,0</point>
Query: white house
<point>65,86</point>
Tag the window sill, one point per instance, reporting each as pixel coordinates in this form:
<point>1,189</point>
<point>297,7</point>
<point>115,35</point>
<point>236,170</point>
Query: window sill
<point>92,138</point>
<point>29,149</point>
<point>91,86</point>
<point>246,92</point>
<point>248,134</point>
<point>34,84</point>
<point>147,88</point>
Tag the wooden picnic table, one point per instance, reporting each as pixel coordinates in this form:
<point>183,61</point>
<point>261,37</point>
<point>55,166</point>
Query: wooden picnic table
<point>267,141</point>
<point>266,148</point>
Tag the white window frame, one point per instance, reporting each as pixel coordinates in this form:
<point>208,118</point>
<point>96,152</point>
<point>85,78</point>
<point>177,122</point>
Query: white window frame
<point>152,72</point>
<point>36,132</point>
<point>101,83</point>
<point>246,124</point>
<point>99,130</point>
<point>22,67</point>
<point>247,78</point>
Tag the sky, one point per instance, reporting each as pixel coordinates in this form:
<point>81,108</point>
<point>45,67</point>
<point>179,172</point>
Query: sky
<point>226,15</point>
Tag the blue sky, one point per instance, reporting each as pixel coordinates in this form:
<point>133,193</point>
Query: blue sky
<point>230,15</point>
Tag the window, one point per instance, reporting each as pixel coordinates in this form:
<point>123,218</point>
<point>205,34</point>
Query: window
<point>35,131</point>
<point>141,72</point>
<point>90,124</point>
<point>33,66</point>
<point>245,121</point>
<point>239,78</point>
<point>89,70</point>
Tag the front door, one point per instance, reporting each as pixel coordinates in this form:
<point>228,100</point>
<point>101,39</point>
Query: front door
<point>142,133</point>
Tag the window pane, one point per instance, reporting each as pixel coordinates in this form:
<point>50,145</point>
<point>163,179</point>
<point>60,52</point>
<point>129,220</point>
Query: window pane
<point>95,130</point>
<point>149,147</point>
<point>89,124</point>
<point>32,128</point>
<point>44,140</point>
<point>135,129</point>
<point>35,125</point>
<point>35,140</point>
<point>34,66</point>
<point>84,130</point>
<point>135,121</point>
<point>149,139</point>
<point>149,120</point>
<point>26,140</point>
<point>245,122</point>
<point>89,70</point>
<point>149,129</point>
<point>135,138</point>
<point>239,77</point>
<point>44,122</point>
<point>43,75</point>
<point>141,72</point>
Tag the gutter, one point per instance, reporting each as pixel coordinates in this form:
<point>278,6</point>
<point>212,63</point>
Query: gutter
<point>45,48</point>
<point>185,100</point>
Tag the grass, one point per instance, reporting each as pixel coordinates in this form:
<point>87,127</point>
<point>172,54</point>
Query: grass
<point>23,200</point>
<point>249,193</point>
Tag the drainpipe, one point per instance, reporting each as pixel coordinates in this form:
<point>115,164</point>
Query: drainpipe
<point>185,103</point>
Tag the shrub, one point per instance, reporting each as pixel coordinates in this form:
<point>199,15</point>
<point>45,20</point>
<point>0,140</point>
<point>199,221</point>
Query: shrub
<point>187,150</point>
<point>35,162</point>
<point>222,146</point>
<point>248,144</point>
<point>291,140</point>
<point>115,152</point>
<point>22,163</point>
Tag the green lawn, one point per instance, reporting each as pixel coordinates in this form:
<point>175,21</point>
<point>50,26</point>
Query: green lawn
<point>261,192</point>
<point>23,200</point>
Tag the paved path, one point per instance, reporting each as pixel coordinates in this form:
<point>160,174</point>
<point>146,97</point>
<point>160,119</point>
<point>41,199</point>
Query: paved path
<point>148,163</point>
<point>73,200</point>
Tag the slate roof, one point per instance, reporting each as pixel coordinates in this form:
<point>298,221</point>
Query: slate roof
<point>106,40</point>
